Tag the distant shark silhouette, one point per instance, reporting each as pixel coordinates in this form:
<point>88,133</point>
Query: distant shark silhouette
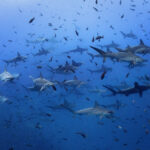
<point>136,89</point>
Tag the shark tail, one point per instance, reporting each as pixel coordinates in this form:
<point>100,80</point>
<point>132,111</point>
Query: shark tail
<point>98,50</point>
<point>124,35</point>
<point>110,89</point>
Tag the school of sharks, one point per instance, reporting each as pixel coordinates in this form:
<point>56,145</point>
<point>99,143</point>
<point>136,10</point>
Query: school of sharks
<point>61,94</point>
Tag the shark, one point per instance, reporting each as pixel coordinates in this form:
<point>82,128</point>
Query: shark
<point>102,69</point>
<point>41,52</point>
<point>129,91</point>
<point>41,84</point>
<point>96,110</point>
<point>77,50</point>
<point>111,45</point>
<point>66,69</point>
<point>65,105</point>
<point>129,35</point>
<point>6,76</point>
<point>141,48</point>
<point>74,82</point>
<point>18,58</point>
<point>120,56</point>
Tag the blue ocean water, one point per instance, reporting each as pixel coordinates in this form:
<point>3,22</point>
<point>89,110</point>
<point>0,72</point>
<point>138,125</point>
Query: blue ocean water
<point>47,116</point>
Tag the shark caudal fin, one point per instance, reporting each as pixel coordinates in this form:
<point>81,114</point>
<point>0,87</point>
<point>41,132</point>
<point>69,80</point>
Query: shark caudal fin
<point>110,89</point>
<point>98,50</point>
<point>124,35</point>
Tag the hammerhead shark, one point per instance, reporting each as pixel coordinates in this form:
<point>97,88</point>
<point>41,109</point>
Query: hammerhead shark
<point>6,76</point>
<point>96,110</point>
<point>129,91</point>
<point>18,58</point>
<point>41,52</point>
<point>41,84</point>
<point>141,48</point>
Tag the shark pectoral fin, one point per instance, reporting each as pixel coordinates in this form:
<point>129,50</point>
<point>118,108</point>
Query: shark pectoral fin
<point>43,87</point>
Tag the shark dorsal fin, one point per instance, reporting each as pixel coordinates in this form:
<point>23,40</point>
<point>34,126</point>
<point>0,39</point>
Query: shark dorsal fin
<point>18,54</point>
<point>141,42</point>
<point>41,76</point>
<point>75,78</point>
<point>96,104</point>
<point>136,85</point>
<point>128,46</point>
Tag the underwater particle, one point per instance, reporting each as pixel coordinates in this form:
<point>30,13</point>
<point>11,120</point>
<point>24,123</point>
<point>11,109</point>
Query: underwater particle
<point>116,140</point>
<point>103,75</point>
<point>31,20</point>
<point>146,131</point>
<point>38,126</point>
<point>49,24</point>
<point>50,60</point>
<point>82,134</point>
<point>125,144</point>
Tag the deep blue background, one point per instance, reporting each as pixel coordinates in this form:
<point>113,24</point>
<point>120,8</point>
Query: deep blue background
<point>18,120</point>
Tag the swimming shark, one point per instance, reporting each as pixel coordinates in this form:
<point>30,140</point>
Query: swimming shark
<point>102,69</point>
<point>120,56</point>
<point>6,76</point>
<point>18,58</point>
<point>41,52</point>
<point>111,45</point>
<point>41,84</point>
<point>74,82</point>
<point>129,35</point>
<point>77,50</point>
<point>96,110</point>
<point>65,105</point>
<point>133,90</point>
<point>139,49</point>
<point>66,69</point>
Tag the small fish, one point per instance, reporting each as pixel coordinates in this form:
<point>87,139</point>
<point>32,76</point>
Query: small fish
<point>82,134</point>
<point>50,60</point>
<point>31,20</point>
<point>93,39</point>
<point>69,56</point>
<point>122,16</point>
<point>99,37</point>
<point>120,2</point>
<point>103,75</point>
<point>65,39</point>
<point>96,2</point>
<point>95,9</point>
<point>127,75</point>
<point>39,67</point>
<point>76,32</point>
